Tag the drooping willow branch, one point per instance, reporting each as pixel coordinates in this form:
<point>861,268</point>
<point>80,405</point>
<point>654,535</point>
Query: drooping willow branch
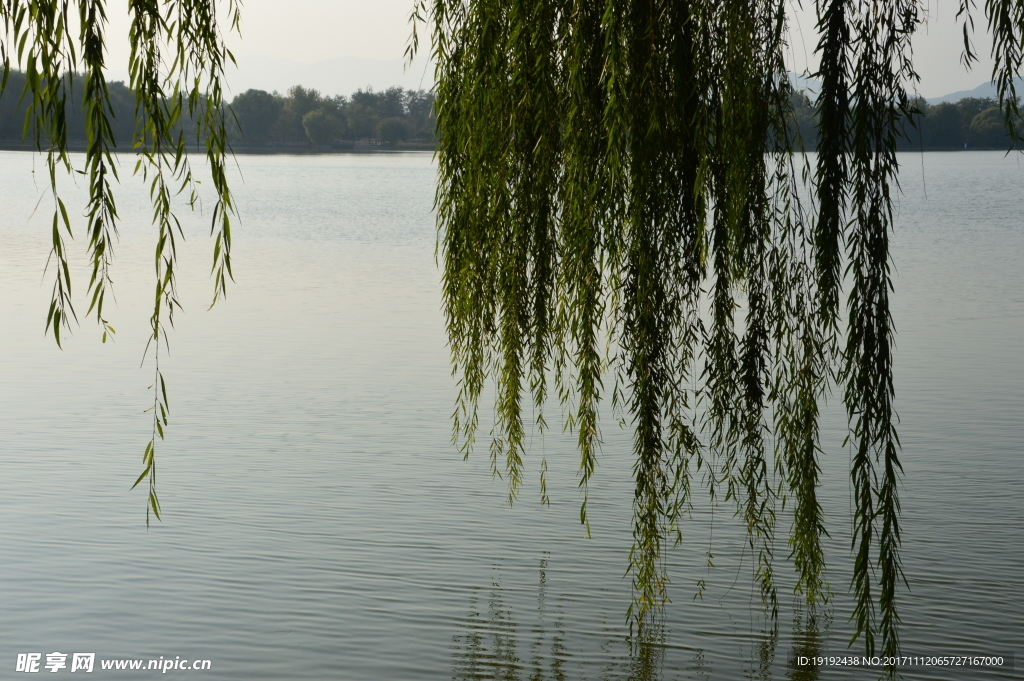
<point>622,175</point>
<point>177,63</point>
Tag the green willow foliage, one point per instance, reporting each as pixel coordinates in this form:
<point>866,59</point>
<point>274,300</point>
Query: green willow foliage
<point>618,191</point>
<point>176,67</point>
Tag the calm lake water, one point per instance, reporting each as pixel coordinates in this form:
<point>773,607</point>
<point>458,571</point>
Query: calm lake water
<point>317,522</point>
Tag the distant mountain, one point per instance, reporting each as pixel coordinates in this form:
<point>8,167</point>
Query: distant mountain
<point>983,91</point>
<point>812,86</point>
<point>345,75</point>
<point>331,77</point>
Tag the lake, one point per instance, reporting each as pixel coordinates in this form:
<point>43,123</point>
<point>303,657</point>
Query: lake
<point>318,524</point>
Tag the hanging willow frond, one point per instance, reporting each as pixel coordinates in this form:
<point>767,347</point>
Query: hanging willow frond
<point>621,175</point>
<point>177,63</point>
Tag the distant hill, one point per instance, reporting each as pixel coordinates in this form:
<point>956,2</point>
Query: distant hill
<point>330,77</point>
<point>811,86</point>
<point>983,91</point>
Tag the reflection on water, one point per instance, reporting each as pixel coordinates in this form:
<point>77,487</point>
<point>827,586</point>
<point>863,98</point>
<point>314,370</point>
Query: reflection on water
<point>763,656</point>
<point>486,647</point>
<point>808,641</point>
<point>647,654</point>
<point>491,644</point>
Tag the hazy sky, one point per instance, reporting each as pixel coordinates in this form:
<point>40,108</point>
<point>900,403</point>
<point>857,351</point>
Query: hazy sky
<point>308,31</point>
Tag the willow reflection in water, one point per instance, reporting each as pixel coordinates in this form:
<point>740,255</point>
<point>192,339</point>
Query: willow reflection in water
<point>491,644</point>
<point>808,641</point>
<point>487,648</point>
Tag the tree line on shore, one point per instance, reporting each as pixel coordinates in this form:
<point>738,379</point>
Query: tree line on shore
<point>970,123</point>
<point>306,118</point>
<point>300,118</point>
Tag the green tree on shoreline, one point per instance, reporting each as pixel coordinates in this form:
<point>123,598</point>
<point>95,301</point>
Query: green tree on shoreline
<point>321,127</point>
<point>257,118</point>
